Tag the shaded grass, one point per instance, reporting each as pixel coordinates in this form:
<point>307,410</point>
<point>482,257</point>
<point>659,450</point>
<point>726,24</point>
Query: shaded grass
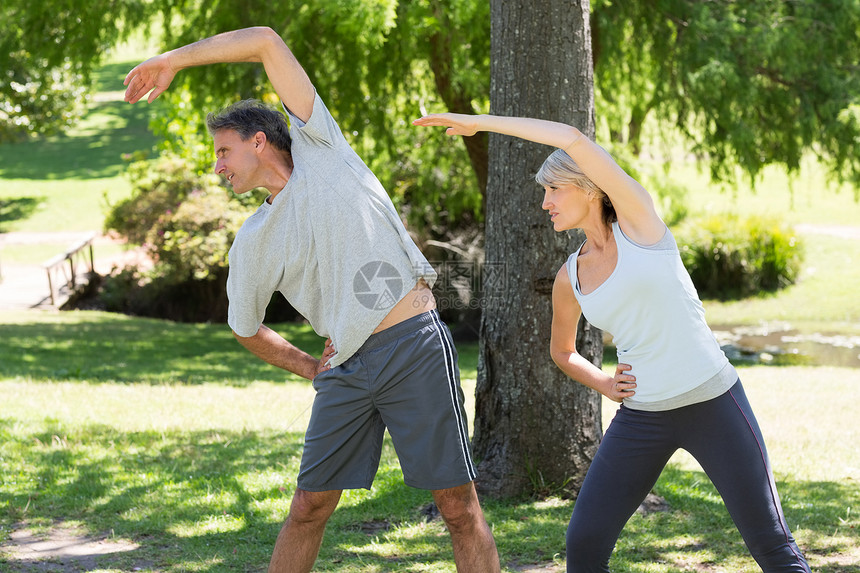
<point>92,149</point>
<point>17,208</point>
<point>809,429</point>
<point>96,346</point>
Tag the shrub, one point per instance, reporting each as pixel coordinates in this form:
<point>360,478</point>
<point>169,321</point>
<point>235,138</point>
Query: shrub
<point>158,187</point>
<point>187,222</point>
<point>729,257</point>
<point>192,242</point>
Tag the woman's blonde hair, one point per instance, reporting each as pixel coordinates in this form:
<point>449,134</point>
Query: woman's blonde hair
<point>560,169</point>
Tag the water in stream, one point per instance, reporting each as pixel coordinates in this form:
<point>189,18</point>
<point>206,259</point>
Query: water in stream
<point>780,344</point>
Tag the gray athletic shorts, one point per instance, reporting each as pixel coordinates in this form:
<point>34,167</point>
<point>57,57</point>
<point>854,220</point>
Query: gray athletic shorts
<point>404,378</point>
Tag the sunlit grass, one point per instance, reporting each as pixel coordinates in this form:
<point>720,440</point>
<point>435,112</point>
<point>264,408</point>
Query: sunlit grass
<point>104,347</point>
<point>164,407</point>
<point>200,475</point>
<point>809,197</point>
<point>799,409</point>
<point>40,253</point>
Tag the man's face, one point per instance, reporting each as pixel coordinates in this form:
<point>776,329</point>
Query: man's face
<point>237,160</point>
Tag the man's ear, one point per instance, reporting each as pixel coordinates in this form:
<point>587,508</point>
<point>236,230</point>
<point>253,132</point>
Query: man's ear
<point>260,140</point>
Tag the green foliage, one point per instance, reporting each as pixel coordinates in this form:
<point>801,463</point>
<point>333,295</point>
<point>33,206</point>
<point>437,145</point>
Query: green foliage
<point>730,257</point>
<point>669,197</point>
<point>48,51</point>
<point>748,83</point>
<point>433,189</point>
<point>157,188</point>
<point>671,200</point>
<point>37,99</point>
<point>193,241</point>
<point>187,222</point>
<point>182,130</point>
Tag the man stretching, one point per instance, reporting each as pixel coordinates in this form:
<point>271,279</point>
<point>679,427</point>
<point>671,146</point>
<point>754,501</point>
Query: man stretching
<point>329,239</point>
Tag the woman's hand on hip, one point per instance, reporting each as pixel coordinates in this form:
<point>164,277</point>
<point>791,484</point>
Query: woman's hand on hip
<point>622,384</point>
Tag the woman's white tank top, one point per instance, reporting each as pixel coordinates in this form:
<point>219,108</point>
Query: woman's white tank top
<point>650,307</point>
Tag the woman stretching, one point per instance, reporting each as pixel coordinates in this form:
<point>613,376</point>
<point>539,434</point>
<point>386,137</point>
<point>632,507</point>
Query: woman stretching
<point>676,386</point>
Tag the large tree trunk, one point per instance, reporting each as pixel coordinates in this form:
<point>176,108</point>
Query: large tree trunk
<point>535,429</point>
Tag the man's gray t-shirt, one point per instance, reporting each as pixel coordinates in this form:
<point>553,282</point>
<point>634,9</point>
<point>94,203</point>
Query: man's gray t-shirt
<point>331,242</point>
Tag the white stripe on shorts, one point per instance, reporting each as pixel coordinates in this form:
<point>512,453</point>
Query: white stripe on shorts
<point>450,366</point>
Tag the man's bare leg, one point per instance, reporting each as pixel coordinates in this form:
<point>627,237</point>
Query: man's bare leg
<point>474,546</point>
<point>301,536</point>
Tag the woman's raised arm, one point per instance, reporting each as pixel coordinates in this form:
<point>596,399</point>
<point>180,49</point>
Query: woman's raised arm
<point>633,204</point>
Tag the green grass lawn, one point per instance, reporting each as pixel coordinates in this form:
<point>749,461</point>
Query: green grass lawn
<point>825,298</point>
<point>65,182</point>
<point>175,438</point>
<point>42,251</point>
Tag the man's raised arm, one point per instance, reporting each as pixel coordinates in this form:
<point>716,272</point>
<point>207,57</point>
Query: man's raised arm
<point>260,44</point>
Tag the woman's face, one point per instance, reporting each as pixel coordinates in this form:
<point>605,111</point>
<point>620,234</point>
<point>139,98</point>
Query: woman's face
<point>567,206</point>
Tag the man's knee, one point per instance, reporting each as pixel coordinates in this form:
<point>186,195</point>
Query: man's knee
<point>313,506</point>
<point>459,506</point>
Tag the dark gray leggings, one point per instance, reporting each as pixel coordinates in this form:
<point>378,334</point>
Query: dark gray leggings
<point>724,437</point>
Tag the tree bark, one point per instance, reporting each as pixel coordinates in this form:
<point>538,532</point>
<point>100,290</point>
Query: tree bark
<point>536,430</point>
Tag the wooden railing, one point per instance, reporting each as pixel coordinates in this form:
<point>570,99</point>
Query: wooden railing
<point>63,270</point>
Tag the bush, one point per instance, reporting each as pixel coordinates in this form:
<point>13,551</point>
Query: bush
<point>38,98</point>
<point>192,242</point>
<point>728,257</point>
<point>158,188</point>
<point>187,222</point>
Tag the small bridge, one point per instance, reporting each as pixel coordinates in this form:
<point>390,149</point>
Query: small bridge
<point>65,270</point>
<point>47,284</point>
